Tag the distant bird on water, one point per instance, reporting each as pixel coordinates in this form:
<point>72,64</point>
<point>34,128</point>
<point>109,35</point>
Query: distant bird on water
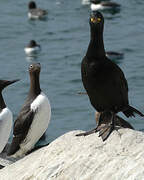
<point>86,2</point>
<point>32,48</point>
<point>102,5</point>
<point>114,55</point>
<point>6,117</point>
<point>103,80</point>
<point>34,12</point>
<point>33,118</point>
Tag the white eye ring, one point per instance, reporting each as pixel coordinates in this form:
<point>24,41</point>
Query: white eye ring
<point>31,66</point>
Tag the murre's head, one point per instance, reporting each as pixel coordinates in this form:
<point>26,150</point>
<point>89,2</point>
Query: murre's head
<point>32,43</point>
<point>35,68</point>
<point>95,1</point>
<point>34,72</point>
<point>96,20</point>
<point>32,5</point>
<point>5,83</point>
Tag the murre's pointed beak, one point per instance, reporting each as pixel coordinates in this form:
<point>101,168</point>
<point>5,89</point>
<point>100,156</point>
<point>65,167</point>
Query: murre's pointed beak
<point>12,81</point>
<point>5,83</point>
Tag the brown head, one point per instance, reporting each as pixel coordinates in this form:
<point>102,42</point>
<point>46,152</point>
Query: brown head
<point>34,72</point>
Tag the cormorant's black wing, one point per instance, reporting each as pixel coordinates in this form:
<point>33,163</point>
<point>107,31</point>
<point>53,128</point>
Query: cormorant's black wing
<point>121,84</point>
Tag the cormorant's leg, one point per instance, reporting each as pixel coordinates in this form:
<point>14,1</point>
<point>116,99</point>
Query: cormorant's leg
<point>105,126</point>
<point>108,128</point>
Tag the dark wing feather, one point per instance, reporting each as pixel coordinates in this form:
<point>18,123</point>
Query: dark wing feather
<point>23,122</point>
<point>122,85</point>
<point>112,4</point>
<point>105,84</point>
<point>21,127</point>
<point>39,12</point>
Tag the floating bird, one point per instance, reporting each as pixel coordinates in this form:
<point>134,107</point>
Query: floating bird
<point>33,118</point>
<point>85,2</point>
<point>102,5</point>
<point>114,55</point>
<point>32,48</point>
<point>6,117</point>
<point>103,80</point>
<point>36,13</point>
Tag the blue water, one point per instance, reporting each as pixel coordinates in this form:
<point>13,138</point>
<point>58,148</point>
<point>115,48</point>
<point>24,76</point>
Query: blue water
<point>64,38</point>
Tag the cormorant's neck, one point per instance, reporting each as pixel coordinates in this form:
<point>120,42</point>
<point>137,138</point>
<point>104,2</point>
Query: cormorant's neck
<point>96,45</point>
<point>2,103</point>
<point>34,85</point>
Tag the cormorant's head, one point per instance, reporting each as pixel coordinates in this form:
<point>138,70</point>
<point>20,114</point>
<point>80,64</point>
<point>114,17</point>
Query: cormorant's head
<point>32,5</point>
<point>96,20</point>
<point>34,68</point>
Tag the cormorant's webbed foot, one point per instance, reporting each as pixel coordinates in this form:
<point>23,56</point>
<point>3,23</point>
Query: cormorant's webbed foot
<point>105,126</point>
<point>88,132</point>
<point>106,131</point>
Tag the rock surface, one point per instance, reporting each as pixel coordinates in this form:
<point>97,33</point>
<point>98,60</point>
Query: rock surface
<point>120,157</point>
<point>4,160</point>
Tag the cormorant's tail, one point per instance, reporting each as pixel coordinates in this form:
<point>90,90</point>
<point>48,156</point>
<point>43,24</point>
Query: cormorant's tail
<point>122,123</point>
<point>130,112</point>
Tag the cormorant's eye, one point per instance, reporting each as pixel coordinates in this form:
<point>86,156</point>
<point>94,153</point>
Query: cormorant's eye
<point>98,19</point>
<point>94,20</point>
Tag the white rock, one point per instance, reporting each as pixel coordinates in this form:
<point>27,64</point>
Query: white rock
<point>120,157</point>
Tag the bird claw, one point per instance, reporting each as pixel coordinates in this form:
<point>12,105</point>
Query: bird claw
<point>88,132</point>
<point>105,131</point>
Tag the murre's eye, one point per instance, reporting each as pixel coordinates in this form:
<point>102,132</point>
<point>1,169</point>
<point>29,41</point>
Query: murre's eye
<point>31,66</point>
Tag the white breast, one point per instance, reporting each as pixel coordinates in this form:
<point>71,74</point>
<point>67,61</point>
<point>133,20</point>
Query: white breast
<point>5,127</point>
<point>36,14</point>
<point>31,16</point>
<point>42,108</point>
<point>32,50</point>
<point>95,7</point>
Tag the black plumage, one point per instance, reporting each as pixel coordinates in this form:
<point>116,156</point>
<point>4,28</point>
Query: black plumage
<point>103,80</point>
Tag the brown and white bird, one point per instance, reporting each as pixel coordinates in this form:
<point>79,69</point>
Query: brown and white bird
<point>33,119</point>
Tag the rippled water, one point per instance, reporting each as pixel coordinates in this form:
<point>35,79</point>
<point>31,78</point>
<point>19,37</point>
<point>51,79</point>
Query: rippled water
<point>64,38</point>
